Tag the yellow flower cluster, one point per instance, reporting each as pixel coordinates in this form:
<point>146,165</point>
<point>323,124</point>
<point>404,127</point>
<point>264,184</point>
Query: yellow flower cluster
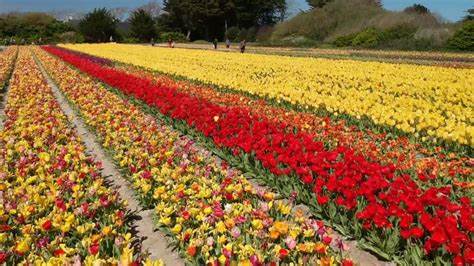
<point>214,214</point>
<point>431,102</point>
<point>54,206</point>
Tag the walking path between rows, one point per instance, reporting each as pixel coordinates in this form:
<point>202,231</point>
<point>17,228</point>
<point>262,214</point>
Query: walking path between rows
<point>152,240</point>
<point>4,97</point>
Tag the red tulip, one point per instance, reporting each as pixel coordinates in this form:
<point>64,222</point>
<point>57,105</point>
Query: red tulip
<point>46,225</point>
<point>94,249</point>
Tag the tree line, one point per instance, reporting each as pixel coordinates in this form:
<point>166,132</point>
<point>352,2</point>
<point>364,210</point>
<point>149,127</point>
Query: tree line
<point>180,19</point>
<point>256,20</point>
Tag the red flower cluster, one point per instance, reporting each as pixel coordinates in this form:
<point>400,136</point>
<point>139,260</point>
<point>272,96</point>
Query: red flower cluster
<point>339,175</point>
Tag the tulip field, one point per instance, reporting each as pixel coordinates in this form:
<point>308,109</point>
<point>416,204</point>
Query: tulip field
<point>241,159</point>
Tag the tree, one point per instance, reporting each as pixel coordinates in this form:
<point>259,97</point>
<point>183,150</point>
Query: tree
<point>317,3</point>
<point>153,8</point>
<point>32,26</point>
<point>142,25</point>
<point>208,19</point>
<point>120,13</point>
<point>417,8</point>
<point>463,39</point>
<point>470,15</point>
<point>259,12</point>
<point>98,26</point>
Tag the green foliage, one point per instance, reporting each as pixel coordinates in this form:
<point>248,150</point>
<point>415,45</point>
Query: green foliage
<point>463,39</point>
<point>399,32</point>
<point>317,3</point>
<point>233,33</point>
<point>365,23</point>
<point>31,27</point>
<point>369,38</point>
<point>142,25</point>
<point>338,17</point>
<point>207,19</point>
<point>372,37</point>
<point>344,41</point>
<point>417,8</point>
<point>70,37</point>
<point>130,40</point>
<point>98,26</point>
<point>175,36</point>
<point>470,14</point>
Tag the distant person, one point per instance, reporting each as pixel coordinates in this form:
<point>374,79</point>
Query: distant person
<point>215,44</point>
<point>111,39</point>
<point>242,46</point>
<point>170,42</point>
<point>227,43</point>
<point>152,42</point>
<point>173,44</point>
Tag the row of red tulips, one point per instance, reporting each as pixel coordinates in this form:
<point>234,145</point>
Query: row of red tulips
<point>375,194</point>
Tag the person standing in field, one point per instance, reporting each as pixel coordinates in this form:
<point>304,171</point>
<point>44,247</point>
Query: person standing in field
<point>227,43</point>
<point>242,46</point>
<point>170,42</point>
<point>152,42</point>
<point>215,43</point>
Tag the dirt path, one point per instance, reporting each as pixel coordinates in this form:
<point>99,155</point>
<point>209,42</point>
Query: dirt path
<point>3,98</point>
<point>153,241</point>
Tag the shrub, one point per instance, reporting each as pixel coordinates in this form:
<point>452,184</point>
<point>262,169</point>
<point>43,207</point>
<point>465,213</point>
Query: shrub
<point>251,34</point>
<point>130,40</point>
<point>232,33</point>
<point>344,41</point>
<point>70,37</point>
<point>399,32</point>
<point>264,34</point>
<point>463,39</point>
<point>369,38</point>
<point>175,36</point>
<point>243,34</point>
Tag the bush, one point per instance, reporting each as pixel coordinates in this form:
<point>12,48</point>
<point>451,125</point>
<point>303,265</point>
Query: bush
<point>344,41</point>
<point>463,39</point>
<point>130,40</point>
<point>369,38</point>
<point>232,33</point>
<point>243,34</point>
<point>399,32</point>
<point>70,37</point>
<point>264,34</point>
<point>175,36</point>
<point>252,34</point>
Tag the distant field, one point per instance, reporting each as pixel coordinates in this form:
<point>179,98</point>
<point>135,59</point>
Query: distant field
<point>464,60</point>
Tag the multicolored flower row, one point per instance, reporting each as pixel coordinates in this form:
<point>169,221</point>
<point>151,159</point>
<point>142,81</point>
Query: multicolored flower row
<point>212,212</point>
<point>376,197</point>
<point>55,208</point>
<point>428,101</point>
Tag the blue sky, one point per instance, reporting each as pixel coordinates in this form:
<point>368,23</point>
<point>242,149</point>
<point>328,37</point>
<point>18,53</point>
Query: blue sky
<point>450,9</point>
